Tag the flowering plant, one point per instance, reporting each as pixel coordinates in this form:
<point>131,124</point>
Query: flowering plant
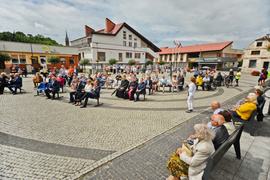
<point>97,60</point>
<point>255,73</point>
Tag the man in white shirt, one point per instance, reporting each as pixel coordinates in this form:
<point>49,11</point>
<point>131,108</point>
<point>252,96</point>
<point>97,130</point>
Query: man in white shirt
<point>148,72</point>
<point>206,81</point>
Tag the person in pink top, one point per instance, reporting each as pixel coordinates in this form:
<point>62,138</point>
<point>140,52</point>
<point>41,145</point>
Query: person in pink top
<point>61,80</point>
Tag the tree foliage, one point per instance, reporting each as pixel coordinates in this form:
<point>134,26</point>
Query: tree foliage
<point>84,61</point>
<point>53,60</point>
<point>268,48</point>
<point>149,62</point>
<point>240,63</point>
<point>131,62</point>
<point>4,57</point>
<point>29,38</point>
<point>112,61</point>
<point>162,62</point>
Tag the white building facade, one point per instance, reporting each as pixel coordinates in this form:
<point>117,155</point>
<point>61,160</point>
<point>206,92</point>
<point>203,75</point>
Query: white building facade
<point>256,56</point>
<point>120,42</point>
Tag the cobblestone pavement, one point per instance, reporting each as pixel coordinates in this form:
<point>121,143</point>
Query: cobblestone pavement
<point>149,160</point>
<point>44,138</point>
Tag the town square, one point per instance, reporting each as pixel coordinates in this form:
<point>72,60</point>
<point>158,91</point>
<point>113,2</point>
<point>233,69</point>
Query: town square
<point>114,100</point>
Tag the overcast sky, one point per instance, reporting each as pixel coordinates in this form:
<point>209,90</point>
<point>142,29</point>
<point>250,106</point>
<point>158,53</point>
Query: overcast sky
<point>161,21</point>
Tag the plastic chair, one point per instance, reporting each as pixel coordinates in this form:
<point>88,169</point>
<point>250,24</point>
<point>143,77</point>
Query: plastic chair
<point>42,87</point>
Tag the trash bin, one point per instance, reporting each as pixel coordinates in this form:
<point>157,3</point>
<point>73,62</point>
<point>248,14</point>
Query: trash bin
<point>90,71</point>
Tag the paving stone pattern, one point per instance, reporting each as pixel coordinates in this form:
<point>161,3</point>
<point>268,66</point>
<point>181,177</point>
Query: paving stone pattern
<point>37,133</point>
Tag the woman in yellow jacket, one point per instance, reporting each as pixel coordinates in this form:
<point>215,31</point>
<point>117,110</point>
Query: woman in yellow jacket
<point>244,111</point>
<point>199,81</point>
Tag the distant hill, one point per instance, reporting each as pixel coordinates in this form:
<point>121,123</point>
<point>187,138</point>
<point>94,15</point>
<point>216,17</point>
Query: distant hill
<point>29,38</point>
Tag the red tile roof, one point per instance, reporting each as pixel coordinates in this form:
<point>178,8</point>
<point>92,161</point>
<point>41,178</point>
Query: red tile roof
<point>196,48</point>
<point>115,29</point>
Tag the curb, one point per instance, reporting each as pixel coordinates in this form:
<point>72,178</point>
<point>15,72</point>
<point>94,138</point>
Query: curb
<point>113,156</point>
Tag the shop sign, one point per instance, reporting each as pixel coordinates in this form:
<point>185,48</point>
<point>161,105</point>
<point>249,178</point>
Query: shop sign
<point>46,48</point>
<point>191,59</point>
<point>210,59</point>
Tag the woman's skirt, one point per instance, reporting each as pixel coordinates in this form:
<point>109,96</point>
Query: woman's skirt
<point>176,166</point>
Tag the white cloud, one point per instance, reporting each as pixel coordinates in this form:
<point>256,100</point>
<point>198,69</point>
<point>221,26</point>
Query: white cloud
<point>191,22</point>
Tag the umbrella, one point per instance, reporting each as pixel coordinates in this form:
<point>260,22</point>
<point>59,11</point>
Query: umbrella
<point>206,67</point>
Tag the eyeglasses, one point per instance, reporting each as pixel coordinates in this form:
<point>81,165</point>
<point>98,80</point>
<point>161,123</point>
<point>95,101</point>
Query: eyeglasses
<point>212,119</point>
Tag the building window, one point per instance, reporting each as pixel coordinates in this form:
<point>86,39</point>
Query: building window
<point>120,57</point>
<point>130,37</point>
<point>124,43</point>
<point>170,57</point>
<point>135,44</point>
<point>22,59</point>
<point>101,56</point>
<point>63,60</point>
<point>71,60</point>
<point>255,52</point>
<point>138,55</point>
<point>14,59</point>
<point>135,39</point>
<point>259,43</point>
<point>82,54</point>
<point>130,44</point>
<point>128,55</point>
<point>252,63</point>
<point>219,55</point>
<point>124,35</point>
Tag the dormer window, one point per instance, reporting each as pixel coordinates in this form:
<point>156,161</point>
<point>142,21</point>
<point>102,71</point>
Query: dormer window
<point>259,44</point>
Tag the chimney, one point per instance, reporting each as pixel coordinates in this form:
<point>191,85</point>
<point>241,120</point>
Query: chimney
<point>267,35</point>
<point>109,25</point>
<point>88,30</point>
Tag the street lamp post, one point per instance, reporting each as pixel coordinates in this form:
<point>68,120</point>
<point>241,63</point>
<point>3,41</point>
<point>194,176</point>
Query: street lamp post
<point>97,57</point>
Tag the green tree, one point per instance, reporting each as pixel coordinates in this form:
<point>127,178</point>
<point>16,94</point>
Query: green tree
<point>162,63</point>
<point>149,62</point>
<point>240,63</point>
<point>53,60</point>
<point>29,38</point>
<point>112,61</point>
<point>131,62</point>
<point>268,48</point>
<point>84,61</point>
<point>4,57</point>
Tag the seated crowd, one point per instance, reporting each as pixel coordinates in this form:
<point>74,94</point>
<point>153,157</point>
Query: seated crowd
<point>13,82</point>
<point>208,138</point>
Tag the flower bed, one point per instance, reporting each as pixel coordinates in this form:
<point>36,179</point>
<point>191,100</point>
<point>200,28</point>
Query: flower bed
<point>255,73</point>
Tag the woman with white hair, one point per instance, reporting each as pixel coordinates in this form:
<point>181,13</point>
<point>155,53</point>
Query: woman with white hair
<point>203,147</point>
<point>244,111</point>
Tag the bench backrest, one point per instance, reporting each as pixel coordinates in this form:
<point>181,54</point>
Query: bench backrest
<point>218,154</point>
<point>254,113</point>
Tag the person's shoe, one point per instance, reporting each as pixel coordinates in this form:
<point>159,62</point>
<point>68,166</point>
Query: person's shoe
<point>83,107</point>
<point>188,111</point>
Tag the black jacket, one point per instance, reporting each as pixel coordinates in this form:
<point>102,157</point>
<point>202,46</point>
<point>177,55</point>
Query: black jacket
<point>221,136</point>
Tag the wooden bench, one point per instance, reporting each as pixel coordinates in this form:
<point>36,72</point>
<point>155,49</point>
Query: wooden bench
<point>218,154</point>
<point>248,123</point>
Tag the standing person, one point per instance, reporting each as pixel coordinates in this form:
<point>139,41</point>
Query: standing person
<point>3,82</point>
<point>143,72</point>
<point>185,71</point>
<point>231,75</point>
<point>76,70</point>
<point>237,77</point>
<point>191,94</point>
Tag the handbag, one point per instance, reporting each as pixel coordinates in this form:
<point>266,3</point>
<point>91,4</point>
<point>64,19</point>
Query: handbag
<point>187,149</point>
